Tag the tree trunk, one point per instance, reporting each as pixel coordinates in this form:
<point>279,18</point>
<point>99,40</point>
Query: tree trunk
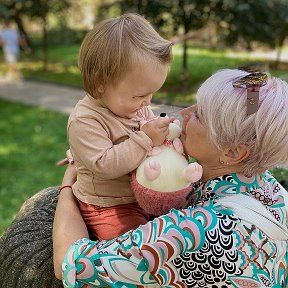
<point>23,32</point>
<point>278,56</point>
<point>185,72</point>
<point>186,24</point>
<point>140,6</point>
<point>185,62</point>
<point>45,44</point>
<point>279,51</point>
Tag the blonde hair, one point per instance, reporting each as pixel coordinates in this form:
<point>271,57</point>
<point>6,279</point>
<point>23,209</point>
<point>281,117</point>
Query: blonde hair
<point>110,49</point>
<point>265,132</point>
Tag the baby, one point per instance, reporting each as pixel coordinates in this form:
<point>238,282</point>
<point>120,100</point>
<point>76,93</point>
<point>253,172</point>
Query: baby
<point>123,62</point>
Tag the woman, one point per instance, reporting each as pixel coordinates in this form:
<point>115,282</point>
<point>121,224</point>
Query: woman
<point>237,130</point>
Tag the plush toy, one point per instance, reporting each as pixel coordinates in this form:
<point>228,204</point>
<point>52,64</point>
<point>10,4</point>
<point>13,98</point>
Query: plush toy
<point>164,178</point>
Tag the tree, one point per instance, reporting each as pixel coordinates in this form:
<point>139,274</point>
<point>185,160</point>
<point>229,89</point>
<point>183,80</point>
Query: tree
<point>264,21</point>
<point>175,14</point>
<point>40,9</point>
<point>13,9</point>
<point>34,9</point>
<point>189,15</point>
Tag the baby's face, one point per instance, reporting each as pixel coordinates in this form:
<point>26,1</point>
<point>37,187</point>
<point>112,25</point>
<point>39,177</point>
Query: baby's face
<point>135,89</point>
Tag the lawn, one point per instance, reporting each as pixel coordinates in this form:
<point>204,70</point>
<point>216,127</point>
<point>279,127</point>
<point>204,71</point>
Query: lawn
<point>32,140</point>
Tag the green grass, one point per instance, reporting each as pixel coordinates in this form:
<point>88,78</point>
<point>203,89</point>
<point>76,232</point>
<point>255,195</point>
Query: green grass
<point>32,140</point>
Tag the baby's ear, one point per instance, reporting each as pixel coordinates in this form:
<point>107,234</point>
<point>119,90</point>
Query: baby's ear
<point>101,89</point>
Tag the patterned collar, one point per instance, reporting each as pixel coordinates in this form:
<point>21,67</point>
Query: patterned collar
<point>225,185</point>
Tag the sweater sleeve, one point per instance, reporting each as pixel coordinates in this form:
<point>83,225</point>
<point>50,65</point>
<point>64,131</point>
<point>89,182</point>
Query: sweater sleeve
<point>91,145</point>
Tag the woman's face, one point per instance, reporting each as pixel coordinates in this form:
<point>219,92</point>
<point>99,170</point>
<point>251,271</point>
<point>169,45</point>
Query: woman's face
<point>196,140</point>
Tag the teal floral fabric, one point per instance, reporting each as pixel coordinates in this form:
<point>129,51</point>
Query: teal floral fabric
<point>203,245</point>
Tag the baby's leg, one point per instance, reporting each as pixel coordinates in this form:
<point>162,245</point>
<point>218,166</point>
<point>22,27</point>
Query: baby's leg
<point>106,223</point>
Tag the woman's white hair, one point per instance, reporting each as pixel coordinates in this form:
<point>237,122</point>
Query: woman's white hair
<point>224,111</point>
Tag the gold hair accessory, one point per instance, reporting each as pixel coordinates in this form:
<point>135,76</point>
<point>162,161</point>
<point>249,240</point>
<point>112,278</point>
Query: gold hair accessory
<point>252,82</point>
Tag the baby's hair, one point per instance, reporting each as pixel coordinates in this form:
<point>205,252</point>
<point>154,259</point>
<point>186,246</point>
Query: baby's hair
<point>114,45</point>
<point>265,132</point>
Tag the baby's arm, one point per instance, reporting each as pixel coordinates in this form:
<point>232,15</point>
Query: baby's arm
<point>91,145</point>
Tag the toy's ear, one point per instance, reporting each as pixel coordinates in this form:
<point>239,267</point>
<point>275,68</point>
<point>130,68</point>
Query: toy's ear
<point>174,131</point>
<point>177,122</point>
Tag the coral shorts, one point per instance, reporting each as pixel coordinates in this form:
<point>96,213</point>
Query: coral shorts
<point>105,223</point>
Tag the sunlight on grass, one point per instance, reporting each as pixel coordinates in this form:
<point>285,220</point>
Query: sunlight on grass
<point>32,140</point>
<point>8,149</point>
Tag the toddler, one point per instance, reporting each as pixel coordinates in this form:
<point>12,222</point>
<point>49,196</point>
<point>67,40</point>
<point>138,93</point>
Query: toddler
<point>123,61</point>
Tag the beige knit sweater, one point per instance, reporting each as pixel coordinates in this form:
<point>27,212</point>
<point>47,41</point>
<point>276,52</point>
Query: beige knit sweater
<point>106,148</point>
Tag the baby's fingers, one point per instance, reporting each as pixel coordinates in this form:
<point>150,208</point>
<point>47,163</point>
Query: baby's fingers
<point>69,157</point>
<point>62,162</point>
<point>68,160</point>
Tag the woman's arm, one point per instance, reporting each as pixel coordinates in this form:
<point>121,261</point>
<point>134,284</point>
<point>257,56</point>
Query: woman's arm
<point>68,223</point>
<point>139,257</point>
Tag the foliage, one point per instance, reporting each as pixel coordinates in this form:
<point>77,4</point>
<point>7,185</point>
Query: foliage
<point>65,35</point>
<point>32,8</point>
<point>181,14</point>
<point>32,140</point>
<point>264,21</point>
<point>237,21</point>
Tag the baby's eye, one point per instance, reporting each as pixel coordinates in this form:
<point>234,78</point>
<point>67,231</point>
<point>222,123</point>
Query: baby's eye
<point>140,96</point>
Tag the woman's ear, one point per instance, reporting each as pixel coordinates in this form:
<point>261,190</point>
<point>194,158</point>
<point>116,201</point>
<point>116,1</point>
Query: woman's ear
<point>233,156</point>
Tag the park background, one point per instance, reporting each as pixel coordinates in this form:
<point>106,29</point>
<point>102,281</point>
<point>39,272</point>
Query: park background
<point>208,35</point>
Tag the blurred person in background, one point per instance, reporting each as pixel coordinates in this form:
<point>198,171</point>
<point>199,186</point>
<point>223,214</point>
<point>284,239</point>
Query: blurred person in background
<point>10,41</point>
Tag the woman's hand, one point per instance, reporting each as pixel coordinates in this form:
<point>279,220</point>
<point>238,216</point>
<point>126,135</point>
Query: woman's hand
<point>70,175</point>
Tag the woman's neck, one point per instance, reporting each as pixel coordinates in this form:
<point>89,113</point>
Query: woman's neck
<point>210,173</point>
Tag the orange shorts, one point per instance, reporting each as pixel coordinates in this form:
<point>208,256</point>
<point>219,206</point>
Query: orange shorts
<point>105,223</point>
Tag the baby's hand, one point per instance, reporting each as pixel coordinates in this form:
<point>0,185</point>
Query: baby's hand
<point>68,160</point>
<point>157,129</point>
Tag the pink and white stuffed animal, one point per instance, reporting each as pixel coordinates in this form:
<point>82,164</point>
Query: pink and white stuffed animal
<point>164,178</point>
